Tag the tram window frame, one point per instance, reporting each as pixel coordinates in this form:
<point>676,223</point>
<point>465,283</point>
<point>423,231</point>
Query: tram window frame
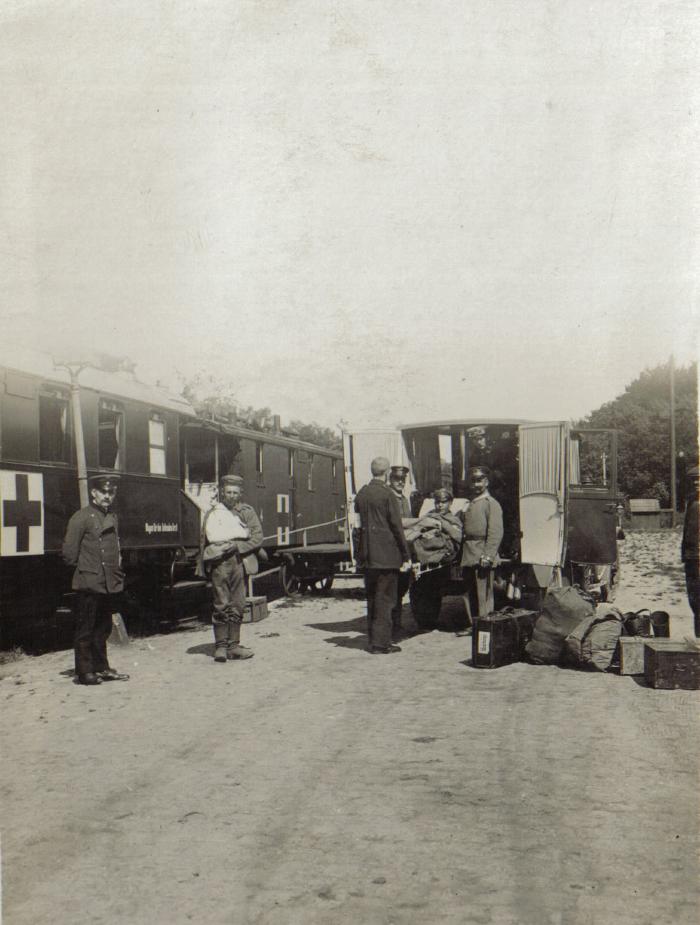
<point>49,402</point>
<point>310,473</point>
<point>291,463</point>
<point>157,461</point>
<point>118,424</point>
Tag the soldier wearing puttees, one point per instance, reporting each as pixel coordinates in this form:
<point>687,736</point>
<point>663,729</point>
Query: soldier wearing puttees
<point>482,522</point>
<point>227,549</point>
<point>397,483</point>
<point>91,547</point>
<point>383,553</point>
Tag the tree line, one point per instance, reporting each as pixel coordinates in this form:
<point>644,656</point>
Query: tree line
<point>642,415</point>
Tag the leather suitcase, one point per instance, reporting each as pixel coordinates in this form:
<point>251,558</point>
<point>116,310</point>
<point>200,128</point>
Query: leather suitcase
<point>255,609</point>
<point>500,638</point>
<point>672,667</point>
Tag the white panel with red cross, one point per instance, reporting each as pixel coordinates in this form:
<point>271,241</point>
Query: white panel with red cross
<point>21,513</point>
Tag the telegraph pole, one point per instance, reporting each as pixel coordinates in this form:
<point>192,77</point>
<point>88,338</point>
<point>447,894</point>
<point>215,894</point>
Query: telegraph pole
<point>673,441</point>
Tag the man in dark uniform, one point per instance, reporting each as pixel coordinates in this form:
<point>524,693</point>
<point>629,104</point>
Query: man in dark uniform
<point>397,483</point>
<point>383,554</point>
<point>482,522</point>
<point>226,554</point>
<point>689,548</point>
<point>91,547</point>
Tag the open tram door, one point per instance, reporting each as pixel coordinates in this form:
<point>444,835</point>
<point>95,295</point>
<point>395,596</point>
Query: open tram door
<point>542,481</point>
<point>359,449</point>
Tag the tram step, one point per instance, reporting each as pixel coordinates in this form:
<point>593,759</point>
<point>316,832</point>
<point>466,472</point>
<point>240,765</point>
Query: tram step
<point>179,586</point>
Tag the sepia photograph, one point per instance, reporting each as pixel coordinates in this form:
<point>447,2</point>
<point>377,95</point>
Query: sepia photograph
<point>349,445</point>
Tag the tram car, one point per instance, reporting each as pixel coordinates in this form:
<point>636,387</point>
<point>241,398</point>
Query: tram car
<point>169,461</point>
<point>557,485</point>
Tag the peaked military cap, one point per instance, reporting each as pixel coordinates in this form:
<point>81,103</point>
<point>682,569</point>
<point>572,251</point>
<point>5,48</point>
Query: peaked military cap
<point>442,494</point>
<point>399,470</point>
<point>479,472</point>
<point>103,481</point>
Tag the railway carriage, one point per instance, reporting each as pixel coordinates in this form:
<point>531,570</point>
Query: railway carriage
<point>169,461</point>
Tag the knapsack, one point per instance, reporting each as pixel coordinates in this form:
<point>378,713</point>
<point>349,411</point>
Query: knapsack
<point>592,644</point>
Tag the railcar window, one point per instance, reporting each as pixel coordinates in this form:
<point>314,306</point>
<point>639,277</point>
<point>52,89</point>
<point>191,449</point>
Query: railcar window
<point>259,458</point>
<point>110,436</point>
<point>54,438</point>
<point>156,444</point>
<point>590,460</point>
<point>310,473</point>
<point>290,463</point>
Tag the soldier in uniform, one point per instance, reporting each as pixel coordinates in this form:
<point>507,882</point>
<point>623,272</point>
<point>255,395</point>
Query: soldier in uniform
<point>227,550</point>
<point>383,553</point>
<point>397,483</point>
<point>690,555</point>
<point>91,547</point>
<point>482,522</point>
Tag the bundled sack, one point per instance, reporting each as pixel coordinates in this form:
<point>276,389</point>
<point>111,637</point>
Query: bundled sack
<point>562,611</point>
<point>432,548</point>
<point>593,643</point>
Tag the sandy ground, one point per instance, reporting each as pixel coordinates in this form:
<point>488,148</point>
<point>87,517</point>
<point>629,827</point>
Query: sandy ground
<point>318,784</point>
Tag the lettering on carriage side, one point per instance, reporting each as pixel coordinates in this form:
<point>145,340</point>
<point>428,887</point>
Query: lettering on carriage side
<point>21,513</point>
<point>160,528</point>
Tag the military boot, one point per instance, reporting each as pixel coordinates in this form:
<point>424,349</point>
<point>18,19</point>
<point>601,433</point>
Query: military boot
<point>234,648</point>
<point>220,639</point>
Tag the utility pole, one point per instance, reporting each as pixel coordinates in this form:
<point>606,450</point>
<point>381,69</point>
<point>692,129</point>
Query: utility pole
<point>673,441</point>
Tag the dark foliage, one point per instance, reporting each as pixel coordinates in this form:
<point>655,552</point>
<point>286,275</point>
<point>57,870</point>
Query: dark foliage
<point>642,414</point>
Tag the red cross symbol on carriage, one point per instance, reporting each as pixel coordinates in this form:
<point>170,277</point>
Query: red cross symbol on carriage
<point>21,513</point>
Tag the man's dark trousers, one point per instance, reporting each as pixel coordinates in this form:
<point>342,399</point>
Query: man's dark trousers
<point>93,624</point>
<point>382,589</point>
<point>692,584</point>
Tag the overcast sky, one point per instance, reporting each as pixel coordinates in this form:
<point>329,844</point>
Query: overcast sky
<point>381,210</point>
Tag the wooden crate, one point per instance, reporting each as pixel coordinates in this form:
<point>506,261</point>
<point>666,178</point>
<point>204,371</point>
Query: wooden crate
<point>255,609</point>
<point>500,638</point>
<point>632,652</point>
<point>671,667</point>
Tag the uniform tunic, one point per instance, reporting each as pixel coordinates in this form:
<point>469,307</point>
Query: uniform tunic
<point>228,574</point>
<point>91,547</point>
<point>482,521</point>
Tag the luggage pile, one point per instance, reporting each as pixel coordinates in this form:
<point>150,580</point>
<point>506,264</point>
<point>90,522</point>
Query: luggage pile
<point>572,631</point>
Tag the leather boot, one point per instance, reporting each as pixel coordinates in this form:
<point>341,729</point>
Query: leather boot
<point>220,639</point>
<point>234,648</point>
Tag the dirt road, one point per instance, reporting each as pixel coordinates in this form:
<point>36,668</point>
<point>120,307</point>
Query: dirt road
<point>318,784</point>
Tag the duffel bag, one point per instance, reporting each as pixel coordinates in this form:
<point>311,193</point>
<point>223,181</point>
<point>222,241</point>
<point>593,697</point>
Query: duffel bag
<point>562,611</point>
<point>592,644</point>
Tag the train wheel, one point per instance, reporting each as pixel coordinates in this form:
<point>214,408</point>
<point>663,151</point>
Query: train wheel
<point>322,585</point>
<point>289,582</point>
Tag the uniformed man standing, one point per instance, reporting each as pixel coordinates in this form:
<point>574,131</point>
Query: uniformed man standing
<point>226,554</point>
<point>91,547</point>
<point>383,553</point>
<point>397,483</point>
<point>690,554</point>
<point>482,522</point>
